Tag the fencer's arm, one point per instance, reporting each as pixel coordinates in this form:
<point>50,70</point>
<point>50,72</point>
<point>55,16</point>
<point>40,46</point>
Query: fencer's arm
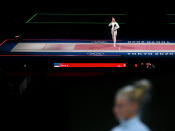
<point>117,25</point>
<point>110,24</point>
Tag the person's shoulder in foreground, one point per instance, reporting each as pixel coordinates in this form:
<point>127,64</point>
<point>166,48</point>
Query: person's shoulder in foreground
<point>131,125</point>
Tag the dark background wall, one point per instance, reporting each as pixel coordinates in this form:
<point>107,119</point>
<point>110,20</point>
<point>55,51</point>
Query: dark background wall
<point>85,103</point>
<point>145,20</point>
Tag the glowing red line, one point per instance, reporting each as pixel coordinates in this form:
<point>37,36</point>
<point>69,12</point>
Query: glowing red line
<point>3,42</point>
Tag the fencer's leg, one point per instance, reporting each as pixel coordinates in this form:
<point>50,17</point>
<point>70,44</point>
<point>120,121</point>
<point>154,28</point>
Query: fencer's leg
<point>116,39</point>
<point>115,35</point>
<point>113,38</point>
<point>112,33</point>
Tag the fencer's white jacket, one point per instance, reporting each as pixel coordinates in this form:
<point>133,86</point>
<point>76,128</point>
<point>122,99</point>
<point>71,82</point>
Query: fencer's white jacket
<point>114,25</point>
<point>133,124</point>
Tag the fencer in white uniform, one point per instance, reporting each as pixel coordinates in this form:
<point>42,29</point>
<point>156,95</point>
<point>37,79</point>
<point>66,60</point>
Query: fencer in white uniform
<point>114,28</point>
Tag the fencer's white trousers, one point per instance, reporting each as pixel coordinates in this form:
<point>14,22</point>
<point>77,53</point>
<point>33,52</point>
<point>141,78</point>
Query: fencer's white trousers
<point>114,35</point>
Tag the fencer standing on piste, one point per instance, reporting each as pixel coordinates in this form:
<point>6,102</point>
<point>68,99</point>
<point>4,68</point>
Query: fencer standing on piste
<point>114,28</point>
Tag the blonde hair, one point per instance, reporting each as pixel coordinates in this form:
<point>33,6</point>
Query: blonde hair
<point>136,92</point>
<point>113,18</point>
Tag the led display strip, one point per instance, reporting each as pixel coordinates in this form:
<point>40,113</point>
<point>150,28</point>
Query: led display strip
<point>31,18</point>
<point>29,21</point>
<point>81,14</point>
<point>171,15</point>
<point>90,65</point>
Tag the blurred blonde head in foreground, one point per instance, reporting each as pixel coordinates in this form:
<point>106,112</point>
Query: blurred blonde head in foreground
<point>127,104</point>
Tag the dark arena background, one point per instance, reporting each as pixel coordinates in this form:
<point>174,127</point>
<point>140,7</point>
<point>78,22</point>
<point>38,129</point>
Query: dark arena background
<point>59,69</point>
